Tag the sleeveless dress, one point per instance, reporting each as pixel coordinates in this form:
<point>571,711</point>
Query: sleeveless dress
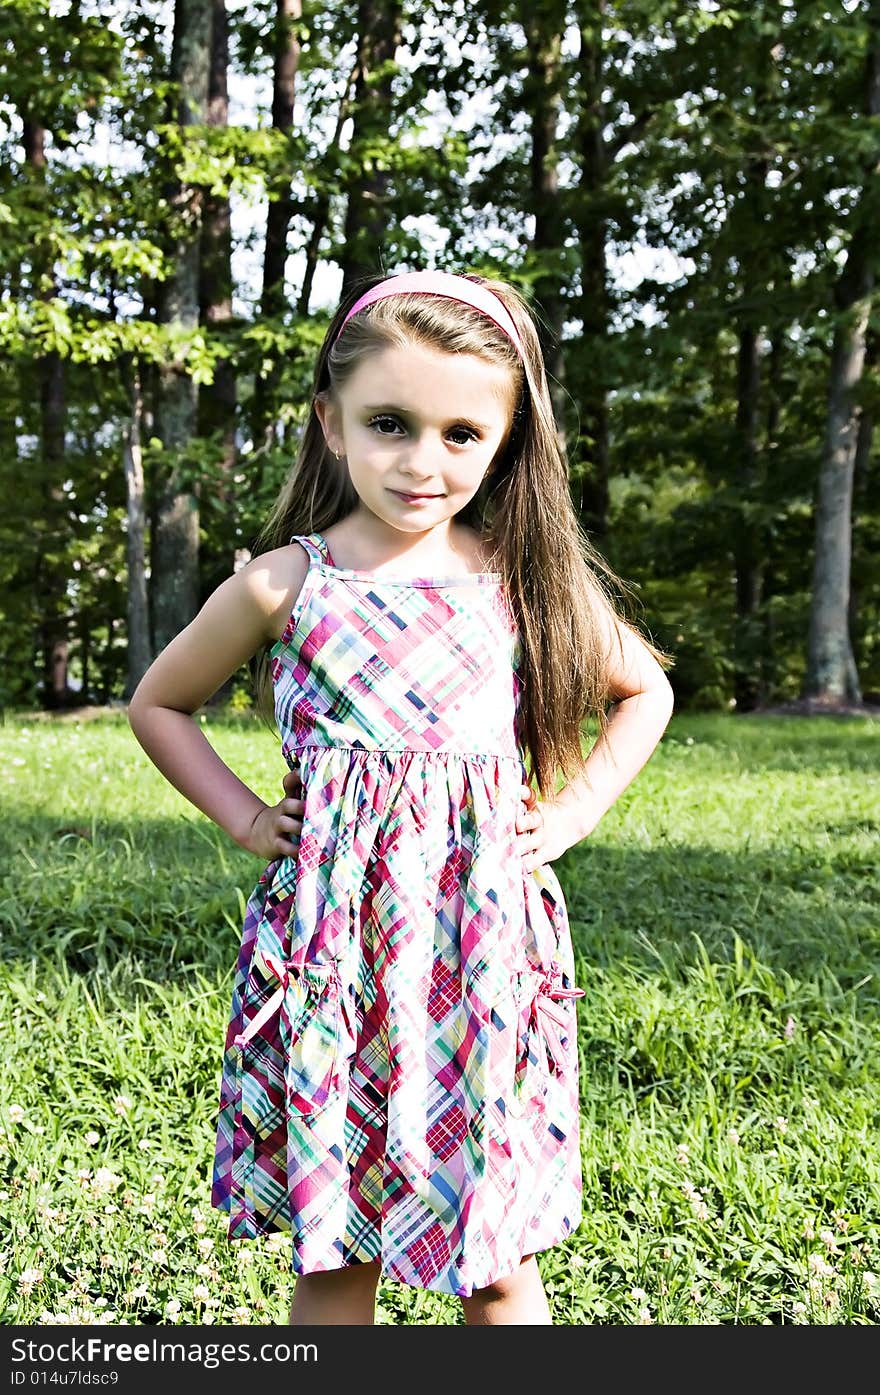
<point>400,1077</point>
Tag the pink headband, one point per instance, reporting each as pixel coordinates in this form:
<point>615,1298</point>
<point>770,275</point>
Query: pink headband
<point>446,284</point>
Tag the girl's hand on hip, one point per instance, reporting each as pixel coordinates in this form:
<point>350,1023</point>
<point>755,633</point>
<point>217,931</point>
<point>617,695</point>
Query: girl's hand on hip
<point>543,829</point>
<point>277,828</point>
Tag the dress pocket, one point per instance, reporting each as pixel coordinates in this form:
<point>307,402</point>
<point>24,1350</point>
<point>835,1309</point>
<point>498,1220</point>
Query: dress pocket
<point>304,1016</point>
<point>546,1038</point>
<point>313,1034</point>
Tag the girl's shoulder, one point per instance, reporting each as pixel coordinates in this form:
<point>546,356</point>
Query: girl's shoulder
<point>275,579</point>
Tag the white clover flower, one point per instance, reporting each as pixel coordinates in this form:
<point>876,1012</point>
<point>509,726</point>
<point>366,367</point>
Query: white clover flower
<point>16,1114</point>
<point>820,1266</point>
<point>781,1123</point>
<point>28,1278</point>
<point>205,1245</point>
<point>92,1138</point>
<point>122,1104</point>
<point>172,1307</point>
<point>105,1180</point>
<point>201,1293</point>
<point>638,1295</point>
<point>732,1137</point>
<point>645,1318</point>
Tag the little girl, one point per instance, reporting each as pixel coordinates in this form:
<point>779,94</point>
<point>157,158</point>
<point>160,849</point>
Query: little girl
<point>400,1083</point>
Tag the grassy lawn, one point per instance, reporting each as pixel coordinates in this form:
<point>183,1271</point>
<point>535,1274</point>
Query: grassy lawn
<point>726,918</point>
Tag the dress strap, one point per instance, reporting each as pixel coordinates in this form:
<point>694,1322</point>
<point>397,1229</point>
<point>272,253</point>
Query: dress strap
<point>315,546</point>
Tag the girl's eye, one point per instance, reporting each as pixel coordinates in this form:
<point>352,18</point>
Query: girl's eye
<point>376,421</point>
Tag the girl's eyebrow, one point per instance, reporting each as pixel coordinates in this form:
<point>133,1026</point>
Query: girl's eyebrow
<point>403,412</point>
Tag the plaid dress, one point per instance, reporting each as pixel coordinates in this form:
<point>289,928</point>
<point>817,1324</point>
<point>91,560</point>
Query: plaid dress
<point>400,1079</point>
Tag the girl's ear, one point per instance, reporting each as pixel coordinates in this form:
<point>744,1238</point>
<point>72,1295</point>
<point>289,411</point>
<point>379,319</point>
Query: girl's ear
<point>326,414</point>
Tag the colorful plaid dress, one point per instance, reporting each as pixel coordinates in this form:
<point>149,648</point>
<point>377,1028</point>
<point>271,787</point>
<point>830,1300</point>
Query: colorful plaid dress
<point>400,1080</point>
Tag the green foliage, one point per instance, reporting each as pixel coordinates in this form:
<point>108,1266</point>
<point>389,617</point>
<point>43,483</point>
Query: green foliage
<point>733,139</point>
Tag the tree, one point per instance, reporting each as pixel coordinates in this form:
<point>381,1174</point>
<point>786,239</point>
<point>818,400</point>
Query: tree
<point>174,590</point>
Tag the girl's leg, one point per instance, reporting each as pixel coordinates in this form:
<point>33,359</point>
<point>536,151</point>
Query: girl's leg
<point>336,1296</point>
<point>517,1298</point>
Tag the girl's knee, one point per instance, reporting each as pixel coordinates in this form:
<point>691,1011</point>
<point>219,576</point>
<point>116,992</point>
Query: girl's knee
<point>505,1287</point>
<point>350,1277</point>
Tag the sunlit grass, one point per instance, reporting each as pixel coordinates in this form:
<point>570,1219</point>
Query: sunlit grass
<point>726,917</point>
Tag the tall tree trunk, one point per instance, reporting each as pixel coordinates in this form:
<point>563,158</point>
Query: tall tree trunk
<point>592,466</point>
<point>322,203</point>
<point>139,655</point>
<point>175,582</point>
<point>768,666</point>
<point>272,300</point>
<point>217,400</point>
<point>831,678</point>
<point>366,214</point>
<point>747,554</point>
<point>544,26</point>
<point>861,471</point>
<point>51,575</point>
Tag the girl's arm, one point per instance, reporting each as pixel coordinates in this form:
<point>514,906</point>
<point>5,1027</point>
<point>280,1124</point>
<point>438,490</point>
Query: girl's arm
<point>246,611</point>
<point>636,723</point>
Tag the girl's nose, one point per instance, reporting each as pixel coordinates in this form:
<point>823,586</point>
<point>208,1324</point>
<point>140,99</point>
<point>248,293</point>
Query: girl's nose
<point>424,457</point>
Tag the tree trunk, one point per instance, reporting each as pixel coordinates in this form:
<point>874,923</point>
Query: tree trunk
<point>139,655</point>
<point>217,401</point>
<point>768,667</point>
<point>592,466</point>
<point>747,553</point>
<point>861,471</point>
<point>322,203</point>
<point>831,678</point>
<point>366,215</point>
<point>272,299</point>
<point>51,575</point>
<point>175,582</point>
<point>544,28</point>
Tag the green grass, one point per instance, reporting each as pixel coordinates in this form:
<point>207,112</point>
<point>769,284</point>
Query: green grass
<point>726,919</point>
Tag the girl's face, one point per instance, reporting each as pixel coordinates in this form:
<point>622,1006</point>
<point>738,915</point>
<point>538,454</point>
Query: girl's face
<point>412,421</point>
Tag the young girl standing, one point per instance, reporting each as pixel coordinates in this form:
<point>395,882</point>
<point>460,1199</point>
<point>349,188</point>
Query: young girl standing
<point>400,1083</point>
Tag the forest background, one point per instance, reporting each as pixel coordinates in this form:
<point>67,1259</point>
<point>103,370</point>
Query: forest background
<point>687,193</point>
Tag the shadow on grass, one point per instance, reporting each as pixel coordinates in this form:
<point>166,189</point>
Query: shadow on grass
<point>170,896</point>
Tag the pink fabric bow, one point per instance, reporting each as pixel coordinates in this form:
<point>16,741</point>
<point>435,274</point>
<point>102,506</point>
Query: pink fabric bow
<point>549,1017</point>
<point>281,972</point>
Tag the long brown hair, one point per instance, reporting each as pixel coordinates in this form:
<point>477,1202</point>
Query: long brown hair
<point>559,587</point>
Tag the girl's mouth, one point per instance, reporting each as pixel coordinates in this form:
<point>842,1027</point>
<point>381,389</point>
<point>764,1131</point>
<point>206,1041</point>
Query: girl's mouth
<point>415,498</point>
